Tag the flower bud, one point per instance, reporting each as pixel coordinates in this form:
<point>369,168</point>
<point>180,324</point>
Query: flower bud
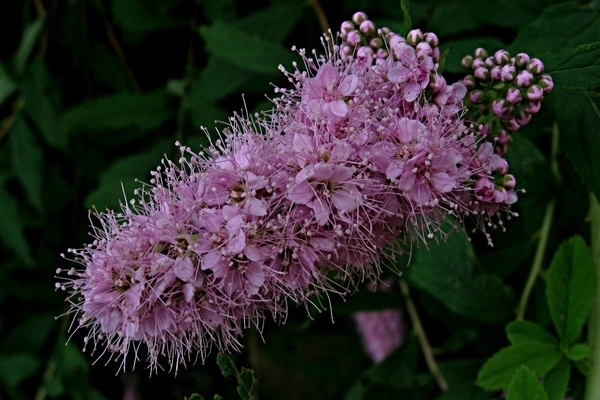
<point>424,49</point>
<point>489,62</point>
<point>496,73</point>
<point>482,74</point>
<point>346,27</point>
<point>501,108</point>
<point>535,93</point>
<point>376,43</point>
<point>533,107</point>
<point>478,63</point>
<point>359,17</point>
<point>480,52</point>
<point>381,53</point>
<point>521,60</point>
<point>513,95</point>
<point>509,181</point>
<point>501,57</point>
<point>524,79</point>
<point>467,61</point>
<point>546,83</point>
<point>523,118</point>
<point>469,81</point>
<point>508,73</point>
<point>535,66</point>
<point>354,37</point>
<point>476,96</point>
<point>414,37</point>
<point>437,83</point>
<point>513,125</point>
<point>432,39</point>
<point>367,27</point>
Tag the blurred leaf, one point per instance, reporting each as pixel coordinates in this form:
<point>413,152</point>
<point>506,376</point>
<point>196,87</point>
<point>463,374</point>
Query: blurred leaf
<point>462,47</point>
<point>525,385</point>
<point>246,381</point>
<point>15,368</point>
<point>195,396</point>
<point>136,15</point>
<point>218,79</point>
<point>561,26</point>
<point>31,335</point>
<point>107,68</point>
<point>28,161</point>
<point>579,352</point>
<point>578,118</point>
<point>575,68</point>
<point>245,50</point>
<point>219,9</point>
<point>406,19</point>
<point>526,331</point>
<point>570,286</point>
<point>120,111</point>
<point>35,88</point>
<point>273,23</point>
<point>460,376</point>
<point>226,365</point>
<point>498,371</point>
<point>556,380</point>
<point>12,229</point>
<point>447,271</point>
<point>469,15</point>
<point>7,85</point>
<point>28,40</point>
<point>121,177</point>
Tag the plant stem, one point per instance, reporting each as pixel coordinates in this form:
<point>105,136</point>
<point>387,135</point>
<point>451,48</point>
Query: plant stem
<point>537,261</point>
<point>320,15</point>
<point>592,391</point>
<point>420,332</point>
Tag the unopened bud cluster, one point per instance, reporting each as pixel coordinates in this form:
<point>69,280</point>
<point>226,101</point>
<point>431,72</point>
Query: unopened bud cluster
<point>504,92</point>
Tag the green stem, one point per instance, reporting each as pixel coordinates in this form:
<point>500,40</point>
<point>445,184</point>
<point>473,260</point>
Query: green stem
<point>592,391</point>
<point>420,333</point>
<point>537,261</point>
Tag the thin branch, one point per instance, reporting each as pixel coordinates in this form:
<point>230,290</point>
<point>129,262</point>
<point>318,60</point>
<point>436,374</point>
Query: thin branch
<point>420,332</point>
<point>320,15</point>
<point>9,120</point>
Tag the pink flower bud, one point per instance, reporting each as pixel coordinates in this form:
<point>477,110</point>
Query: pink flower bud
<point>413,37</point>
<point>437,83</point>
<point>395,40</point>
<point>513,125</point>
<point>535,93</point>
<point>346,27</point>
<point>364,56</point>
<point>489,62</point>
<point>513,95</point>
<point>501,57</point>
<point>500,195</point>
<point>432,39</point>
<point>480,52</point>
<point>478,63</point>
<point>508,73</point>
<point>546,83</point>
<point>424,49</point>
<point>496,73</point>
<point>524,78</point>
<point>381,54</point>
<point>467,61</point>
<point>346,50</point>
<point>469,81</point>
<point>533,107</point>
<point>523,118</point>
<point>500,108</point>
<point>521,59</point>
<point>376,43</point>
<point>535,66</point>
<point>367,27</point>
<point>509,181</point>
<point>354,37</point>
<point>476,96</point>
<point>359,17</point>
<point>482,74</point>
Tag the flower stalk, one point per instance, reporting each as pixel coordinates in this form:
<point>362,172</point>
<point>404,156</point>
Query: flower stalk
<point>593,380</point>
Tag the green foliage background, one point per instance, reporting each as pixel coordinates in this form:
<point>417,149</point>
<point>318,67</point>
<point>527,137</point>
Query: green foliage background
<point>93,93</point>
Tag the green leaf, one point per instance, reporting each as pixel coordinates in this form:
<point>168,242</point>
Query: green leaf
<point>579,351</point>
<point>28,161</point>
<point>218,79</point>
<point>7,85</point>
<point>12,229</point>
<point>570,287</point>
<point>195,396</point>
<point>14,369</point>
<point>406,19</point>
<point>218,397</point>
<point>246,381</point>
<point>498,371</point>
<point>247,51</point>
<point>556,380</point>
<point>578,118</point>
<point>459,48</point>
<point>273,23</point>
<point>28,40</point>
<point>120,111</point>
<point>137,16</point>
<point>575,68</point>
<point>226,364</point>
<point>447,272</point>
<point>526,331</point>
<point>121,177</point>
<point>525,385</point>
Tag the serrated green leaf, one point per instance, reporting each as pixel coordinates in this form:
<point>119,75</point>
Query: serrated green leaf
<point>525,385</point>
<point>195,396</point>
<point>18,367</point>
<point>570,287</point>
<point>527,331</point>
<point>226,364</point>
<point>578,118</point>
<point>120,111</point>
<point>575,68</point>
<point>579,351</point>
<point>28,40</point>
<point>246,381</point>
<point>498,371</point>
<point>247,51</point>
<point>121,177</point>
<point>27,160</point>
<point>556,380</point>
<point>447,272</point>
<point>7,85</point>
<point>12,229</point>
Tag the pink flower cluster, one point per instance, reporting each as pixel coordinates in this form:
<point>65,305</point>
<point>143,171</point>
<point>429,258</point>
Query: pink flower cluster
<point>288,207</point>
